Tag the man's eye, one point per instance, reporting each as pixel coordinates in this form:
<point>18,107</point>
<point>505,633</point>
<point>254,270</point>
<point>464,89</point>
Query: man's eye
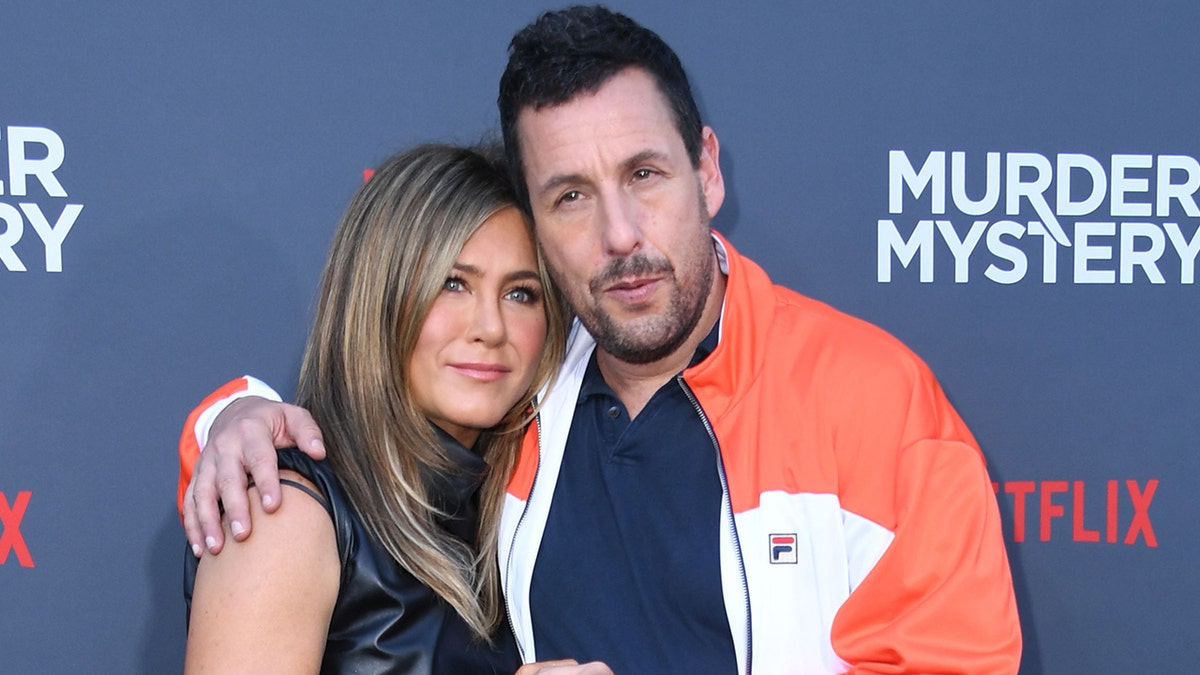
<point>570,196</point>
<point>642,174</point>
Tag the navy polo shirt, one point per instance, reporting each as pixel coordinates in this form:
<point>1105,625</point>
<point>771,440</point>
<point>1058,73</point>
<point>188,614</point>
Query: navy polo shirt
<point>629,568</point>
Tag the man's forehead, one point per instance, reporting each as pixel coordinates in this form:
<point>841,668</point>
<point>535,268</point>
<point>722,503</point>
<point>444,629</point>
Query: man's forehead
<point>626,88</point>
<point>627,114</point>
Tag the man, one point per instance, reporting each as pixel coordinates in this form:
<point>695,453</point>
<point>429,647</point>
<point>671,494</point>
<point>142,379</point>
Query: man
<point>726,476</point>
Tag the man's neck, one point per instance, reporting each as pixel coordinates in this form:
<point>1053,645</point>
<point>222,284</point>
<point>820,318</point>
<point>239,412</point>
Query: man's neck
<point>635,383</point>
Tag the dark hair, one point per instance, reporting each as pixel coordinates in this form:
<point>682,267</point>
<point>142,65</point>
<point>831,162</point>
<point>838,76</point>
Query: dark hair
<point>574,50</point>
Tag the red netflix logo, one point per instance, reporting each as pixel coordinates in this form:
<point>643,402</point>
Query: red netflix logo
<point>1050,498</point>
<point>10,529</point>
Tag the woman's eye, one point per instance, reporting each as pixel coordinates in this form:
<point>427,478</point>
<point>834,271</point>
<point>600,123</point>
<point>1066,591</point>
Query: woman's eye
<point>523,295</point>
<point>453,284</point>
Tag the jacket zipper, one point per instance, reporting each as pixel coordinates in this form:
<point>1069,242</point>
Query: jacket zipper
<point>513,545</point>
<point>712,436</point>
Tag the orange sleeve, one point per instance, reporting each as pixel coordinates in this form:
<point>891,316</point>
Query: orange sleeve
<point>940,599</point>
<point>189,445</point>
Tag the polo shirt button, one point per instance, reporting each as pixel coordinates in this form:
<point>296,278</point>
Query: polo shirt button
<point>614,412</point>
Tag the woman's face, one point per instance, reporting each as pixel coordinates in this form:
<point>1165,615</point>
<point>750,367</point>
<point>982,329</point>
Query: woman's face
<point>481,343</point>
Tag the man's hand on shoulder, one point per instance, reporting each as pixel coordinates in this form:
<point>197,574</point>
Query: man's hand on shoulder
<point>243,440</point>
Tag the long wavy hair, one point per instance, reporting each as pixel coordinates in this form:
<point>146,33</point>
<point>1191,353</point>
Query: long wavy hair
<point>390,256</point>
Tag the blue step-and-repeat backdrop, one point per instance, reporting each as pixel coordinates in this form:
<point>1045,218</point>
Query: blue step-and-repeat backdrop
<point>1010,188</point>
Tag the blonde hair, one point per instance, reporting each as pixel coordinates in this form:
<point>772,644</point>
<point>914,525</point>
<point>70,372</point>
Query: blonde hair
<point>390,256</point>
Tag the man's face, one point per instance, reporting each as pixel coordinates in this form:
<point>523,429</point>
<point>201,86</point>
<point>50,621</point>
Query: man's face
<point>622,215</point>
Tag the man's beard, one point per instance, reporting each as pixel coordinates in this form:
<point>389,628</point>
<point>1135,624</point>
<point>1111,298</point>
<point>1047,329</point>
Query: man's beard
<point>650,338</point>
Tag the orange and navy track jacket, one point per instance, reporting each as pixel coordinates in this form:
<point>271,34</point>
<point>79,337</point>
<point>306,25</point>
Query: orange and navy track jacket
<point>860,531</point>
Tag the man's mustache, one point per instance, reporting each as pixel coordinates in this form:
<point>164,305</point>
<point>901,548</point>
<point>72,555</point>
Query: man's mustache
<point>629,266</point>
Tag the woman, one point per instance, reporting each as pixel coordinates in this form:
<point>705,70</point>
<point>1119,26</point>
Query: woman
<point>436,323</point>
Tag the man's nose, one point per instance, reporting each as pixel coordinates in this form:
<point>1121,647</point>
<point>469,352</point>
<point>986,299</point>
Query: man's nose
<point>620,224</point>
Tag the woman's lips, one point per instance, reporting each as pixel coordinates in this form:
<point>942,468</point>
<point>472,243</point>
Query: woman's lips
<point>484,372</point>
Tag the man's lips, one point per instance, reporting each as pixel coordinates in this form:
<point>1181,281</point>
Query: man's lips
<point>484,372</point>
<point>633,291</point>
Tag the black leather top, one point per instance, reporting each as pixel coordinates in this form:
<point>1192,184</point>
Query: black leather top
<point>385,621</point>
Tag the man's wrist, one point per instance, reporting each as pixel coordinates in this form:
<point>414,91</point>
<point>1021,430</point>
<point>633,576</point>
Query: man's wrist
<point>254,387</point>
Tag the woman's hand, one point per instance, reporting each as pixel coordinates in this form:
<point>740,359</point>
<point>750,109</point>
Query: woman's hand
<point>564,667</point>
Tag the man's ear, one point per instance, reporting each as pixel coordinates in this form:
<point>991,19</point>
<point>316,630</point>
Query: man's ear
<point>712,184</point>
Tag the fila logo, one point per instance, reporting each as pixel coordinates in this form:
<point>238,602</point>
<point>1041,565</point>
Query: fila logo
<point>783,549</point>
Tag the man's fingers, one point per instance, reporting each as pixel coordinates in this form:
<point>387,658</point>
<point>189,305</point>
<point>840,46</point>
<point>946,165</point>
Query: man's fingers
<point>191,526</point>
<point>263,466</point>
<point>203,508</point>
<point>231,484</point>
<point>302,431</point>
